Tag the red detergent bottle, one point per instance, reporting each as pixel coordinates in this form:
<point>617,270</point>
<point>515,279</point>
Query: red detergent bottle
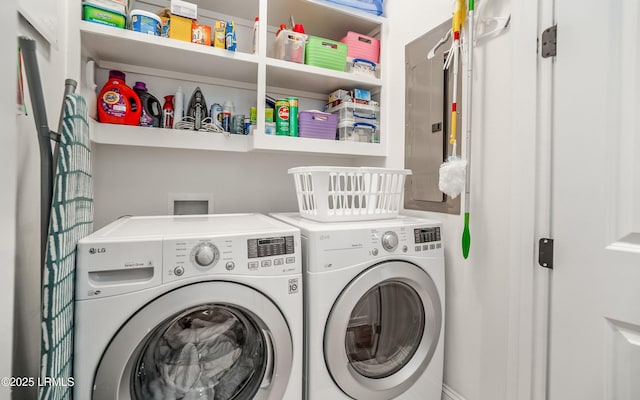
<point>117,102</point>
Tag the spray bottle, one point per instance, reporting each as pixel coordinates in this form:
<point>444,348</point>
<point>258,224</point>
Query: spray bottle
<point>178,106</point>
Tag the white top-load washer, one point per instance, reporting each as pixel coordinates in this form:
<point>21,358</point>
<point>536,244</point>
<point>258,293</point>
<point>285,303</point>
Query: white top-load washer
<point>189,307</point>
<point>374,308</point>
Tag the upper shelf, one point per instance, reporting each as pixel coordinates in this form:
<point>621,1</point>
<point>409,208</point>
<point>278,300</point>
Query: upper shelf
<point>323,19</point>
<point>105,43</point>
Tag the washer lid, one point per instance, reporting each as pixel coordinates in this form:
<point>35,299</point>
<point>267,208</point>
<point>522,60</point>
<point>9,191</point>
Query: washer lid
<point>209,338</point>
<point>383,330</point>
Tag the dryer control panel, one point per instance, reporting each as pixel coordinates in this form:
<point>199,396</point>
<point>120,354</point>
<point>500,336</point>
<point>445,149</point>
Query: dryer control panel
<point>343,248</point>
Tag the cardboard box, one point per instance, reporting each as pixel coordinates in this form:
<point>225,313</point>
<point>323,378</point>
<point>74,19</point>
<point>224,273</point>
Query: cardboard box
<point>184,9</point>
<point>181,28</point>
<point>201,34</point>
<point>219,33</point>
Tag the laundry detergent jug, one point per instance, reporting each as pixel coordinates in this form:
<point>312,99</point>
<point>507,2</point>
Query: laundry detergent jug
<point>117,102</point>
<point>151,108</point>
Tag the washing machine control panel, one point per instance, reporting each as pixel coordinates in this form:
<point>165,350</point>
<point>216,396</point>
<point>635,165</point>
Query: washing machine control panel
<point>241,255</point>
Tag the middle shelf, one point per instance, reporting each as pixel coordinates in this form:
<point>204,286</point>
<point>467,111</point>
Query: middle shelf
<point>180,139</point>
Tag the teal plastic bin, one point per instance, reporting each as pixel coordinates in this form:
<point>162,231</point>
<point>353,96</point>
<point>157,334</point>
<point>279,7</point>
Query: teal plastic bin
<point>325,53</point>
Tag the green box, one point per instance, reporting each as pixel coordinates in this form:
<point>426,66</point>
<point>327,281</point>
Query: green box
<point>103,16</point>
<point>325,53</point>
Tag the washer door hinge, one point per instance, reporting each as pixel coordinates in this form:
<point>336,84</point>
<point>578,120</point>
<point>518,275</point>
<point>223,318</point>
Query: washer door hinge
<point>545,253</point>
<point>549,39</point>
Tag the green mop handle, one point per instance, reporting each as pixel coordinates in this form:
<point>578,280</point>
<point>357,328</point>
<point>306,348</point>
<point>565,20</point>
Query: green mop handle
<point>466,234</point>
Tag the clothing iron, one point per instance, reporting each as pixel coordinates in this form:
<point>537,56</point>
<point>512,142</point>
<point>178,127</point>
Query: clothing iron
<point>197,108</point>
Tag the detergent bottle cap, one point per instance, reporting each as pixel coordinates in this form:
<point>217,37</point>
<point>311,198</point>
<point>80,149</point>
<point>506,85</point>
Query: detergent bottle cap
<point>116,74</point>
<point>298,28</point>
<point>140,86</point>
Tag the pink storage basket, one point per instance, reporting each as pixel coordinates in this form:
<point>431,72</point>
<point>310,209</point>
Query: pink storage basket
<point>362,46</point>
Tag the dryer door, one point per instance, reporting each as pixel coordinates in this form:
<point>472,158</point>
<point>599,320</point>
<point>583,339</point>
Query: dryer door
<point>209,340</point>
<point>383,330</point>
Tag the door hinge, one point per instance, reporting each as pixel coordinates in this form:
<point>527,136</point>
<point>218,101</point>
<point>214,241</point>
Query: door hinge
<point>549,39</point>
<point>545,253</point>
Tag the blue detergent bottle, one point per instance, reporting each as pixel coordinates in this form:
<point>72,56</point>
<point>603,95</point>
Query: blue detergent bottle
<point>151,107</point>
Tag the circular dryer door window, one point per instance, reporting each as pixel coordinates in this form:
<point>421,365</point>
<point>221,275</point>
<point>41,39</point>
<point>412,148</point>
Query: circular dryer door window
<point>383,330</point>
<point>209,340</point>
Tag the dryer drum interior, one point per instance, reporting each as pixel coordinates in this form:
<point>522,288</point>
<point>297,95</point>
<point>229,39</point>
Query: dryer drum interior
<point>385,329</point>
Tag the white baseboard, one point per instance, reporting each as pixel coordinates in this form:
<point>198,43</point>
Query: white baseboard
<point>450,394</point>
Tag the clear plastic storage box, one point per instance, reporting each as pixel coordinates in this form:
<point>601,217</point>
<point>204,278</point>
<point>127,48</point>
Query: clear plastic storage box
<point>332,194</point>
<point>290,46</point>
<point>358,132</point>
<point>349,111</point>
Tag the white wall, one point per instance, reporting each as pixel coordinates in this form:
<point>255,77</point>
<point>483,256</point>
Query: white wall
<point>8,164</point>
<point>51,61</point>
<point>477,298</point>
<point>138,180</point>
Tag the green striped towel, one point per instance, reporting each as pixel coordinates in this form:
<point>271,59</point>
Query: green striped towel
<point>71,220</point>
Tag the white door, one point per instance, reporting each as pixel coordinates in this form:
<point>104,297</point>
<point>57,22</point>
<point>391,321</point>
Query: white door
<point>595,303</point>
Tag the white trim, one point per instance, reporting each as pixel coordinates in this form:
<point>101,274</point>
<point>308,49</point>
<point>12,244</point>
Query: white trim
<point>450,394</point>
<point>528,283</point>
<point>8,197</point>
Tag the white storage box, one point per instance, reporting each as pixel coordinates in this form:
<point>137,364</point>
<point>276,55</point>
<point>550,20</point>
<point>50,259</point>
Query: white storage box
<point>289,46</point>
<point>349,111</point>
<point>361,66</point>
<point>331,194</point>
<point>358,132</point>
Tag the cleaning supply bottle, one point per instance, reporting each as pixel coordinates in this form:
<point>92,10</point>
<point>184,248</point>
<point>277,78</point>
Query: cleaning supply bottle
<point>230,36</point>
<point>167,112</point>
<point>254,45</point>
<point>227,111</point>
<point>178,106</point>
<point>151,107</point>
<point>117,102</point>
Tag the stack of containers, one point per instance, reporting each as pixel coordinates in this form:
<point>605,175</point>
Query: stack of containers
<point>363,54</point>
<point>357,122</point>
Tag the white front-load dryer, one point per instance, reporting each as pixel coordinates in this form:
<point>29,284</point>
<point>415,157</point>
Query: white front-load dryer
<point>374,308</point>
<point>189,307</point>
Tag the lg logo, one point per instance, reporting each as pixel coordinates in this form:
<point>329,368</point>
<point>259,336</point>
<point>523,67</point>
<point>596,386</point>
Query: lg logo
<point>94,250</point>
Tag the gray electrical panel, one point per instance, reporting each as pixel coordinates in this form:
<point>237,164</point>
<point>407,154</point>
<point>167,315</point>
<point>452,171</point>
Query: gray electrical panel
<point>428,118</point>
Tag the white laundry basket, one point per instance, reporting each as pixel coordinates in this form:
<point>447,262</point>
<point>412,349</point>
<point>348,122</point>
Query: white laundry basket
<point>331,194</point>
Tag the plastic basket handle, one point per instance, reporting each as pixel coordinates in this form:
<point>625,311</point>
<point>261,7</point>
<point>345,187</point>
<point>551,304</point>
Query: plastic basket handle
<point>320,117</point>
<point>364,125</point>
<point>364,61</point>
<point>372,117</point>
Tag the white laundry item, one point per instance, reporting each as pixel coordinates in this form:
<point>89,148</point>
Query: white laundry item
<point>184,371</point>
<point>160,391</point>
<point>218,366</point>
<point>177,336</point>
